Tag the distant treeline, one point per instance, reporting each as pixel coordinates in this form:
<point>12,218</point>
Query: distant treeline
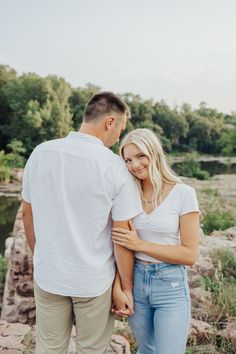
<point>34,109</point>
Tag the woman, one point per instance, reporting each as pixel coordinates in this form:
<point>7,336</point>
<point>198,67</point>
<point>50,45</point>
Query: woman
<point>165,239</point>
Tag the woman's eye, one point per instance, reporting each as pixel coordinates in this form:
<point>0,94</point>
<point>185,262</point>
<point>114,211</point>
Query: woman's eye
<point>141,156</point>
<point>127,161</point>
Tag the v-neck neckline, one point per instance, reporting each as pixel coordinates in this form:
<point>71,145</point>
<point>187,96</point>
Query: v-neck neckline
<point>170,192</point>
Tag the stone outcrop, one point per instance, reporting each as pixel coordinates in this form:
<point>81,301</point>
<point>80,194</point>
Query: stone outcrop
<point>18,299</point>
<point>16,338</point>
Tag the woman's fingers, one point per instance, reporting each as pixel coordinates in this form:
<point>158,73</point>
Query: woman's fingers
<point>118,229</point>
<point>119,239</point>
<point>119,243</point>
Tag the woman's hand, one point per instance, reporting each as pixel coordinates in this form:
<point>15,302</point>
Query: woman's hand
<point>126,238</point>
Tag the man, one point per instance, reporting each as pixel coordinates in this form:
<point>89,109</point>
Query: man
<point>72,189</point>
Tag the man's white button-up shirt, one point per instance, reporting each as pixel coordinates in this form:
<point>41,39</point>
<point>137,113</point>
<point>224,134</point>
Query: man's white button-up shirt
<point>76,186</point>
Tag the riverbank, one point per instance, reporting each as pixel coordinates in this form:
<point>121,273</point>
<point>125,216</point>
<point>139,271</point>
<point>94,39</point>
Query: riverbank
<point>12,189</point>
<point>204,158</point>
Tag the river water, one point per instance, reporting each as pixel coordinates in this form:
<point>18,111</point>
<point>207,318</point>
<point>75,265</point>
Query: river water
<point>8,210</point>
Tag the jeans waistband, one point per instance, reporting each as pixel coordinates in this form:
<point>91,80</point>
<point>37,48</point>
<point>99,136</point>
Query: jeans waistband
<point>157,266</point>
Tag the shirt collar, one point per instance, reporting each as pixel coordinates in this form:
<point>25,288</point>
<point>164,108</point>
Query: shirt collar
<point>85,137</point>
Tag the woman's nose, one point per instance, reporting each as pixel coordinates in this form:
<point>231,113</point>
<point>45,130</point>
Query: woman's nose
<point>136,163</point>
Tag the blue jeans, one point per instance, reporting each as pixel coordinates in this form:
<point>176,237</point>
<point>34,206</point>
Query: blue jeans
<point>162,308</point>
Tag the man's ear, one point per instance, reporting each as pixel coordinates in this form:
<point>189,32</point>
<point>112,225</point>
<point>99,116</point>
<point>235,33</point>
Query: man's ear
<point>110,122</point>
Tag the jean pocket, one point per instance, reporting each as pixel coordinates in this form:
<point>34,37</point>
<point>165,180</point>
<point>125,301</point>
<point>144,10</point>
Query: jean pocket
<point>172,274</point>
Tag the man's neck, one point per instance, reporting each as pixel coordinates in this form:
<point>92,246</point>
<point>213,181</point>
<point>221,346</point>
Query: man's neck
<point>91,130</point>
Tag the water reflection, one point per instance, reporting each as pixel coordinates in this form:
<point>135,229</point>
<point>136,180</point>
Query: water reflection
<point>8,210</point>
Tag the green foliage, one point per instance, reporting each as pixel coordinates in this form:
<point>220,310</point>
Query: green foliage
<point>228,142</point>
<point>222,285</point>
<point>5,174</point>
<point>17,151</point>
<point>228,262</point>
<point>5,169</point>
<point>216,220</point>
<point>210,192</point>
<point>39,110</point>
<point>191,167</point>
<point>34,109</point>
<point>3,270</point>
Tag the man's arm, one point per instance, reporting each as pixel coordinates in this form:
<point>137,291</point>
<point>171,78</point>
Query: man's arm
<point>125,261</point>
<point>27,217</point>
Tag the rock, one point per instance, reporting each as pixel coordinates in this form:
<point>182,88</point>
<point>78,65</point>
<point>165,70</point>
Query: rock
<point>8,245</point>
<point>16,329</point>
<point>118,345</point>
<point>13,340</point>
<point>200,295</point>
<point>18,174</point>
<point>201,331</point>
<point>228,333</point>
<point>10,351</point>
<point>18,298</point>
<point>204,266</point>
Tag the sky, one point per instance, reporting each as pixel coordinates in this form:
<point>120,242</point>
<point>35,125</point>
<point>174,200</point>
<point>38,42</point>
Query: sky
<point>173,50</point>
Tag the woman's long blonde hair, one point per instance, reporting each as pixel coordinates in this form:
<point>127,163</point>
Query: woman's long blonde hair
<point>159,170</point>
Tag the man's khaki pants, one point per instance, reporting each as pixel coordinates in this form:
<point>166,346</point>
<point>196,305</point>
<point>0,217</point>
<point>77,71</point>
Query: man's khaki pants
<point>54,319</point>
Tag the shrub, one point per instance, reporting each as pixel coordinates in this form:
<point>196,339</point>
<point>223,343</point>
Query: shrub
<point>5,173</point>
<point>228,262</point>
<point>190,167</point>
<point>3,270</point>
<point>16,152</point>
<point>222,285</point>
<point>216,220</point>
<point>5,166</point>
<point>210,192</point>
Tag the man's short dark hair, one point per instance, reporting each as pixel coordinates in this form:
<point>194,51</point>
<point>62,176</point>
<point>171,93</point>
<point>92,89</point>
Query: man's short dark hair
<point>105,103</point>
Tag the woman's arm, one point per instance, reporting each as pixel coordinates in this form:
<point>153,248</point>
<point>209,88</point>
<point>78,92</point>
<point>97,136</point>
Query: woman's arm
<point>185,253</point>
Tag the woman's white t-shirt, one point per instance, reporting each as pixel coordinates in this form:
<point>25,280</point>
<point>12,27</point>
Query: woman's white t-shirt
<point>162,224</point>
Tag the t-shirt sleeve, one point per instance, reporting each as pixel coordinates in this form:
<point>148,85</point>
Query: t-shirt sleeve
<point>127,201</point>
<point>189,202</point>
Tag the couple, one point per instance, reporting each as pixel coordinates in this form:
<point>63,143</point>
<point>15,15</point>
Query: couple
<point>78,197</point>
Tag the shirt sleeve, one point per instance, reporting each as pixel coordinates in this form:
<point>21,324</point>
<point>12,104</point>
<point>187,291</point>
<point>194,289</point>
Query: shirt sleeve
<point>26,176</point>
<point>127,202</point>
<point>190,202</point>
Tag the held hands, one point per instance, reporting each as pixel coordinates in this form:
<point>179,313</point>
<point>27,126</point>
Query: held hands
<point>122,303</point>
<point>127,238</point>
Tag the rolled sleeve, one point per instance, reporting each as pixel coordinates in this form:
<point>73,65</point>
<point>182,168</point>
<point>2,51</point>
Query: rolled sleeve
<point>25,186</point>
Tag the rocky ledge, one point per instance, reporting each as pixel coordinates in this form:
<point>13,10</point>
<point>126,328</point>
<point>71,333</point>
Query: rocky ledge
<point>16,338</point>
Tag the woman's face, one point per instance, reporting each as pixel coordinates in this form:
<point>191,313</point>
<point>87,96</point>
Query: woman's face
<point>136,161</point>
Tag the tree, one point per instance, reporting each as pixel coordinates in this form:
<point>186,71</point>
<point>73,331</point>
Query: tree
<point>6,75</point>
<point>228,142</point>
<point>40,109</point>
